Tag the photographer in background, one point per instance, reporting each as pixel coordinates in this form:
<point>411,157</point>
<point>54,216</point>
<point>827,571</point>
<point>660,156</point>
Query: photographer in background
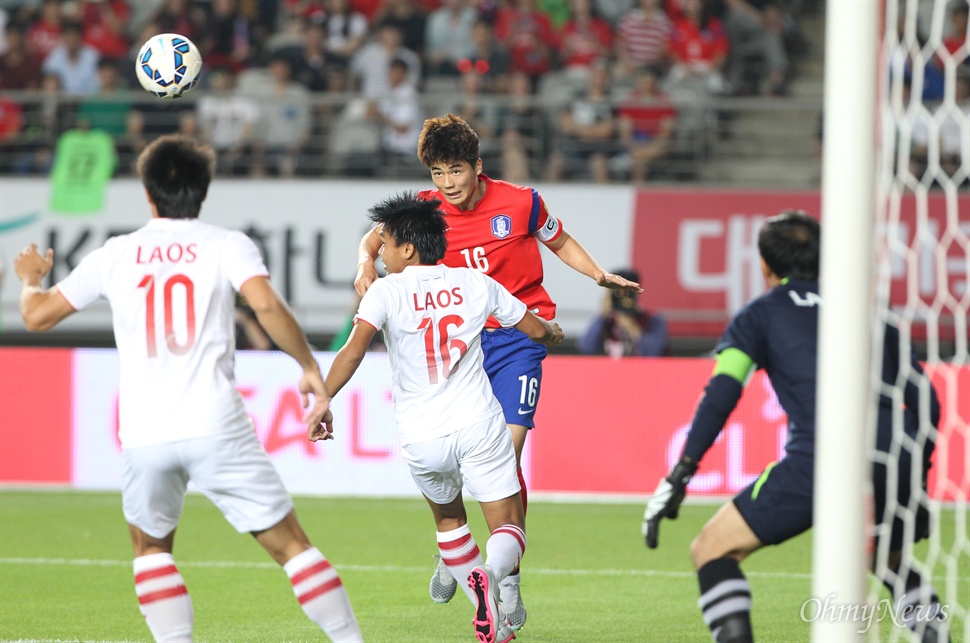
<point>624,329</point>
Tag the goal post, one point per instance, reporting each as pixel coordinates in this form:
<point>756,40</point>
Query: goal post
<point>895,250</point>
<point>848,213</point>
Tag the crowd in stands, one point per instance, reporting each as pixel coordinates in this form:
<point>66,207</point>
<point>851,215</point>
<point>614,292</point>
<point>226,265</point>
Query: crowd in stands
<point>601,90</point>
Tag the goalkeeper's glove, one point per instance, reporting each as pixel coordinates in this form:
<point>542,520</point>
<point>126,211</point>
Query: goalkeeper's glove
<point>665,501</point>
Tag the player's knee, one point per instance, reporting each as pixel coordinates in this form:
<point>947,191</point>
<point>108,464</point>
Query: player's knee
<point>705,548</point>
<point>699,551</point>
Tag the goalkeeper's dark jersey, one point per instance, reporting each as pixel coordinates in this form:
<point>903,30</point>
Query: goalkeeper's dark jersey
<point>779,331</point>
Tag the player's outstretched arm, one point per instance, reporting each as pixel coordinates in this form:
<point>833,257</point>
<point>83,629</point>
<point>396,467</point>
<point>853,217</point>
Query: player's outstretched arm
<point>349,357</point>
<point>41,308</point>
<point>344,366</point>
<point>574,255</point>
<point>367,251</point>
<point>539,330</point>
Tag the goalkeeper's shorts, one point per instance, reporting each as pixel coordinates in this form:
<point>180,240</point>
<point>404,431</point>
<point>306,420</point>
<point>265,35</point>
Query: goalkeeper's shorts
<point>778,505</point>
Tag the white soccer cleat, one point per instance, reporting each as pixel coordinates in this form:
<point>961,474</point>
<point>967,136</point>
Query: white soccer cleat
<point>512,604</point>
<point>443,585</point>
<point>490,623</point>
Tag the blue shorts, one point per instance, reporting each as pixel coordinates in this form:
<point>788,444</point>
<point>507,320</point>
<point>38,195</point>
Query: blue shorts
<point>513,363</point>
<point>778,505</point>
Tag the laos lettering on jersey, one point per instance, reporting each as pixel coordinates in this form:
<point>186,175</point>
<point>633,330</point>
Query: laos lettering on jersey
<point>811,299</point>
<point>174,253</point>
<point>442,299</point>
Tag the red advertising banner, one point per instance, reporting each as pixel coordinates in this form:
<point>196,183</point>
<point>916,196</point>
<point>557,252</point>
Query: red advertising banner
<point>618,426</point>
<point>604,426</point>
<point>35,415</point>
<point>697,253</point>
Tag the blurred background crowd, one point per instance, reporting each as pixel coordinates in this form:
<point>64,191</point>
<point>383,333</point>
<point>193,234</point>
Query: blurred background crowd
<point>593,90</point>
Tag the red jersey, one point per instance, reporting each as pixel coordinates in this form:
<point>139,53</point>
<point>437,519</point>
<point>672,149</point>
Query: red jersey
<point>691,44</point>
<point>500,237</point>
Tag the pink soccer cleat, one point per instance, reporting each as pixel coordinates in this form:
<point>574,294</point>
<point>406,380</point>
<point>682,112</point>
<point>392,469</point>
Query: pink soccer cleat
<point>490,623</point>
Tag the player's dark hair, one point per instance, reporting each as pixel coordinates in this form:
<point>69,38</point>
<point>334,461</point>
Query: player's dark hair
<point>176,171</point>
<point>446,139</point>
<point>789,244</point>
<point>412,220</point>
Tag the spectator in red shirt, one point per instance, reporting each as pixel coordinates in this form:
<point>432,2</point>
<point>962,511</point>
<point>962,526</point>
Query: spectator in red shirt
<point>585,37</point>
<point>698,50</point>
<point>647,119</point>
<point>529,36</point>
<point>104,26</point>
<point>698,47</point>
<point>45,34</point>
<point>19,67</point>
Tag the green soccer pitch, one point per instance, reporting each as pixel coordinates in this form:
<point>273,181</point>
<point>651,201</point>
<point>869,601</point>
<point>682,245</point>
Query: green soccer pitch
<point>65,574</point>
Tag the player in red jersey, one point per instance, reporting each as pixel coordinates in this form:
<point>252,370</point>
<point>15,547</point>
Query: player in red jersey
<point>494,227</point>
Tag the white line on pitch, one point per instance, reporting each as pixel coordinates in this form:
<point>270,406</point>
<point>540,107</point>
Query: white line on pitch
<point>86,562</point>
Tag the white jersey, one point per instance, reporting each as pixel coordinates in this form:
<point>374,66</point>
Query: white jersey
<point>171,286</point>
<point>432,318</point>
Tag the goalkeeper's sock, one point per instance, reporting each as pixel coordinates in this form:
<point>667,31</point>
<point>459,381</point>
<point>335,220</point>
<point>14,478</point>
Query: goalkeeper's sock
<point>725,601</point>
<point>322,595</point>
<point>460,554</point>
<point>162,597</point>
<point>919,608</point>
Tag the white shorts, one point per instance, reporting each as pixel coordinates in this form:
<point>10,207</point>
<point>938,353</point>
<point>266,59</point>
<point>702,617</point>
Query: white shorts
<point>481,456</point>
<point>234,472</point>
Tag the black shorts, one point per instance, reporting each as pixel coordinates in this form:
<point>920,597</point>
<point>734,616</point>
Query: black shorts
<point>778,505</point>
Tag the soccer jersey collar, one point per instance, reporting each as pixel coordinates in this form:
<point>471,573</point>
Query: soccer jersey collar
<point>165,222</point>
<point>421,269</point>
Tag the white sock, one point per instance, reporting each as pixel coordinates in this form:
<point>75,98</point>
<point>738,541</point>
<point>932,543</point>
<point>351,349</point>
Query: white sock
<point>460,553</point>
<point>504,549</point>
<point>322,595</point>
<point>162,598</point>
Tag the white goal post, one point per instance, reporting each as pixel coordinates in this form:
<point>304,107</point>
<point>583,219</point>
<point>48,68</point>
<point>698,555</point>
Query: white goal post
<point>848,208</point>
<point>896,249</point>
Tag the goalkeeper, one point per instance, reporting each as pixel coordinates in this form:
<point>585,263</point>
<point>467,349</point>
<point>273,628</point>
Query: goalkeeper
<point>778,332</point>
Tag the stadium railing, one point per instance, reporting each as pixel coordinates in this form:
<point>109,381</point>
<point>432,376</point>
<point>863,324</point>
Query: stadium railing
<point>726,141</point>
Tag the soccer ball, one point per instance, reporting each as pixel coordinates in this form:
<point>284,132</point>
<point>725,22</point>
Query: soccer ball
<point>168,65</point>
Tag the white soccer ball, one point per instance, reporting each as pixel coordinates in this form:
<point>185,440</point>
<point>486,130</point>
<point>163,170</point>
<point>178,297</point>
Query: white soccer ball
<point>168,65</point>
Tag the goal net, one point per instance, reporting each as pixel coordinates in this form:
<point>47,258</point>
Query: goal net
<point>922,287</point>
